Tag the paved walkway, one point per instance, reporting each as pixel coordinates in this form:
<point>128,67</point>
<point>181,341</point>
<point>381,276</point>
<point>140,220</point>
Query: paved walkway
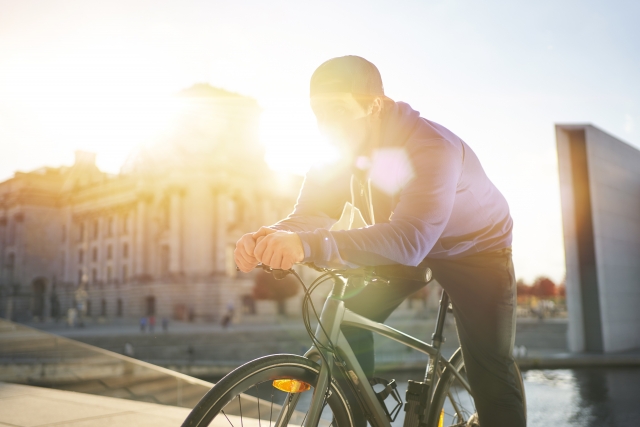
<point>27,406</point>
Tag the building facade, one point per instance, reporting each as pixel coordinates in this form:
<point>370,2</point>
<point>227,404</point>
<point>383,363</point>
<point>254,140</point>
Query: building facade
<point>600,193</point>
<point>158,238</point>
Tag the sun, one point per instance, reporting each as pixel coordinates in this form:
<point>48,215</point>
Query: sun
<point>291,138</point>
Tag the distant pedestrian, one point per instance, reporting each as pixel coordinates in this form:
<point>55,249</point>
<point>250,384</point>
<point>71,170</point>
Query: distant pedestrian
<point>165,324</point>
<point>226,319</point>
<point>128,350</point>
<point>231,308</point>
<point>152,323</point>
<point>143,324</point>
<point>72,315</point>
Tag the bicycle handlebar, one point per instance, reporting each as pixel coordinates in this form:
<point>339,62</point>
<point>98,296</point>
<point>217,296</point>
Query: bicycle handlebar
<point>384,272</point>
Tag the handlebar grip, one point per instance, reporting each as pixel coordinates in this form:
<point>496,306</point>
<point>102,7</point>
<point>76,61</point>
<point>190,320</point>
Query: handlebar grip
<point>418,274</point>
<point>277,273</point>
<point>280,274</point>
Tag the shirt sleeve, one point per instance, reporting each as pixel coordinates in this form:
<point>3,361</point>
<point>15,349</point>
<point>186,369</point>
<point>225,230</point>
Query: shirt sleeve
<point>320,201</point>
<point>423,210</point>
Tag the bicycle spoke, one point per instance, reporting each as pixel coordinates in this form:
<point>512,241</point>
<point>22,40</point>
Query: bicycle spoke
<point>225,415</point>
<point>258,395</point>
<point>240,403</point>
<point>462,403</point>
<point>289,408</point>
<point>271,413</point>
<point>454,404</point>
<point>459,400</point>
<point>304,419</point>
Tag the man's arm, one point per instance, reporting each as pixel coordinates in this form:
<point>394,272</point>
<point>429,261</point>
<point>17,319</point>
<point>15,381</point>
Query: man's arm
<point>423,210</point>
<point>320,202</point>
<point>319,205</point>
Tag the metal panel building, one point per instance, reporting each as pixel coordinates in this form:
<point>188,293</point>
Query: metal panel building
<point>600,194</point>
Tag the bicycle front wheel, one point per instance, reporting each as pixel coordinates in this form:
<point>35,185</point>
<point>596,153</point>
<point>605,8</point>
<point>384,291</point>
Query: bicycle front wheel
<point>452,403</point>
<point>248,396</point>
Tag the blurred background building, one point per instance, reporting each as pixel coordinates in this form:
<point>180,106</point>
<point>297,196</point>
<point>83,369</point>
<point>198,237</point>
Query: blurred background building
<point>155,240</point>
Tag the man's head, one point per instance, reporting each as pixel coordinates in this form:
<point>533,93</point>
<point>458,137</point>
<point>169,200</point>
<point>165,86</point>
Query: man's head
<point>347,98</point>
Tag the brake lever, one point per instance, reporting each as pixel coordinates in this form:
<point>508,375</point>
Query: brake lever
<point>278,274</point>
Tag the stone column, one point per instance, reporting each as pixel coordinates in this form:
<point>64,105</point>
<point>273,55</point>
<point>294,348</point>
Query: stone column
<point>102,258</point>
<point>140,252</point>
<point>3,236</point>
<point>68,247</point>
<point>175,231</point>
<point>220,229</point>
<point>117,247</point>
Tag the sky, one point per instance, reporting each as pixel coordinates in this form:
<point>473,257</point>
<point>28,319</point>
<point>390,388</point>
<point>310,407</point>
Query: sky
<point>99,76</point>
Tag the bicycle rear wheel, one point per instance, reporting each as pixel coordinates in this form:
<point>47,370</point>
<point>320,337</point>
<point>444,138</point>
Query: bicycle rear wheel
<point>453,401</point>
<point>247,396</point>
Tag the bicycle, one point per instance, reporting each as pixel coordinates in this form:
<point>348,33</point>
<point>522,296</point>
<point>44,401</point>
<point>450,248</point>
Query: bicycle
<point>342,395</point>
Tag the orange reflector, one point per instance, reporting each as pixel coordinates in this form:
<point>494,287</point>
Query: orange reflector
<point>441,421</point>
<point>291,386</point>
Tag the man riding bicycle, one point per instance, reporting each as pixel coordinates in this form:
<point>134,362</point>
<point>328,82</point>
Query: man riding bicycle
<point>426,201</point>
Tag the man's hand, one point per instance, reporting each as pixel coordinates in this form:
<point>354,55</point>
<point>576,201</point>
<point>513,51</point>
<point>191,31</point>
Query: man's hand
<point>279,250</point>
<point>244,253</point>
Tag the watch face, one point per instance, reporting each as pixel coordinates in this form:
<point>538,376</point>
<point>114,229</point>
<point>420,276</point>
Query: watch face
<point>428,275</point>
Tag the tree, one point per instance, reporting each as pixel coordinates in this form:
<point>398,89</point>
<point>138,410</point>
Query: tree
<point>267,287</point>
<point>544,287</point>
<point>523,288</point>
<point>561,289</point>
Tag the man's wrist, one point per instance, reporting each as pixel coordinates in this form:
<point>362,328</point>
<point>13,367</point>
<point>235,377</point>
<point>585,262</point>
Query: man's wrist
<point>309,242</point>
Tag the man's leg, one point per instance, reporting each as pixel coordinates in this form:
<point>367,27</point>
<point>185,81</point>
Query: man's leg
<point>375,301</point>
<point>483,292</point>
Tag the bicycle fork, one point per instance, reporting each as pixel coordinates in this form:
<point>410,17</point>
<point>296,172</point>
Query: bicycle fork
<point>327,332</point>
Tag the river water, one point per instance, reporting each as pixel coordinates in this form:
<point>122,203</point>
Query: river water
<point>584,397</point>
<point>579,397</point>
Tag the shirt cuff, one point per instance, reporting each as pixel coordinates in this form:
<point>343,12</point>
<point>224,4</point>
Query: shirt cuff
<point>310,244</point>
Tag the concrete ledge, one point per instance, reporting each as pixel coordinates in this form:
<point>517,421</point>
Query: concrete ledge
<point>579,360</point>
<point>555,361</point>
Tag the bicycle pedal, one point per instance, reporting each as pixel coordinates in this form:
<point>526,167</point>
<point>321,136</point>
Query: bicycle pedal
<point>390,389</point>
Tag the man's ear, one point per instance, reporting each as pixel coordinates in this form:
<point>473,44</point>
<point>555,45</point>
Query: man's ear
<point>376,107</point>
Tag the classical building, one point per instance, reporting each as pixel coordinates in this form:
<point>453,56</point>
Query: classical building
<point>158,238</point>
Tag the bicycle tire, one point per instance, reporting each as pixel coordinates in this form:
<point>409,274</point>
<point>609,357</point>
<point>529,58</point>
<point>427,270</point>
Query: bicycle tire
<point>446,380</point>
<point>260,371</point>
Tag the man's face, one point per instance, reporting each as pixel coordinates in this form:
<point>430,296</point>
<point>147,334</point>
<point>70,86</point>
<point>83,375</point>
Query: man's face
<point>342,119</point>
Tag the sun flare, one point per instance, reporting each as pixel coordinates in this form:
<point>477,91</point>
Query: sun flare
<point>291,138</point>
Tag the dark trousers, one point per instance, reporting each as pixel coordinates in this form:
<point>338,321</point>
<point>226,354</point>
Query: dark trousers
<point>482,289</point>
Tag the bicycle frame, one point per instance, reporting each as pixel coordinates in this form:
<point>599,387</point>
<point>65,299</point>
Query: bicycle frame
<point>333,316</point>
